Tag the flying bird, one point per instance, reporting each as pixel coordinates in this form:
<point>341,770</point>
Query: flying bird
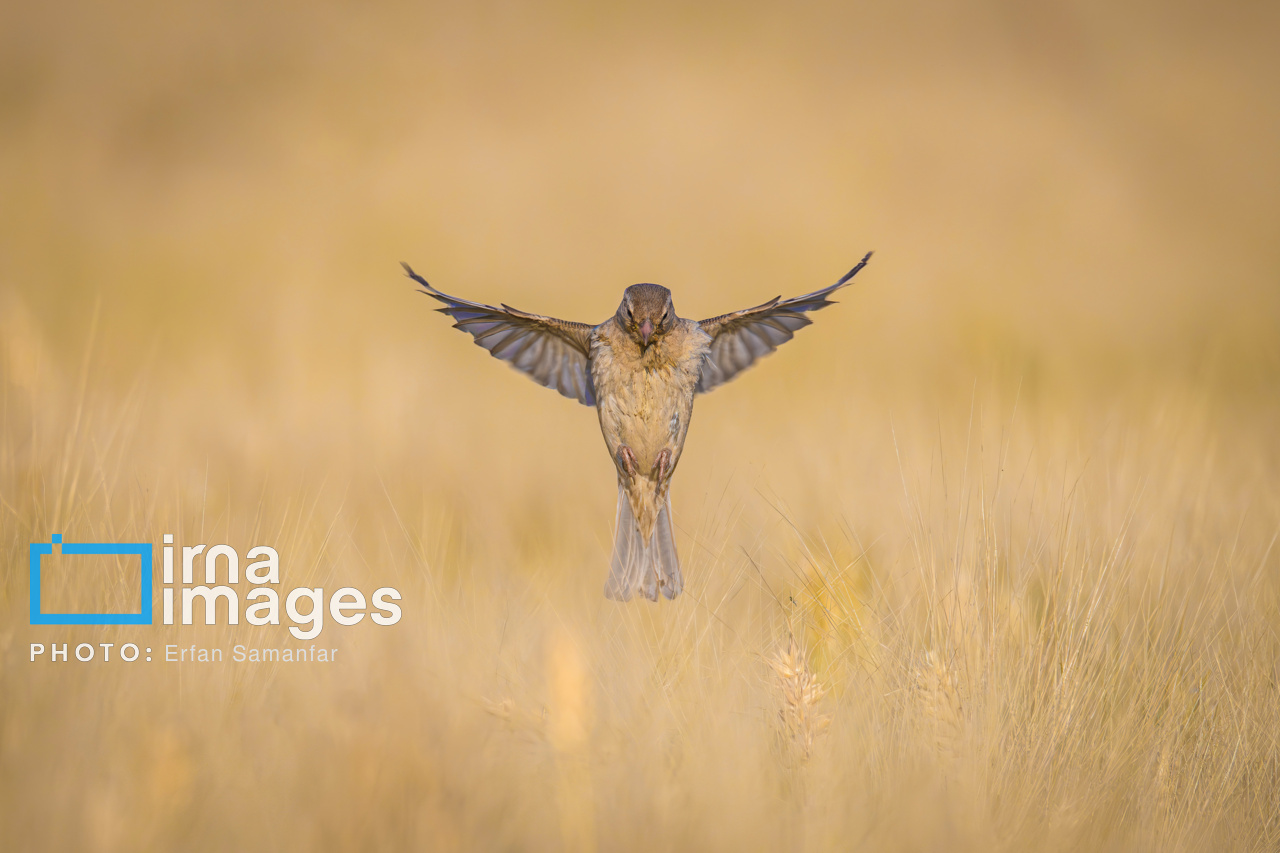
<point>640,369</point>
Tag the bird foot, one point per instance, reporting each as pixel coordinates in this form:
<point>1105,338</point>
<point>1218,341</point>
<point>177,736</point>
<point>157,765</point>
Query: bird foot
<point>662,465</point>
<point>627,460</point>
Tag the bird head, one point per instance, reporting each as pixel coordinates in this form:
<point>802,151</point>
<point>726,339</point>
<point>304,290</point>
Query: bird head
<point>646,312</point>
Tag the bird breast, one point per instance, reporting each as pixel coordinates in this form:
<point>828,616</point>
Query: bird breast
<point>645,399</point>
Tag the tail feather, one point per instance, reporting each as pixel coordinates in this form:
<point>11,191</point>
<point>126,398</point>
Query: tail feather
<point>645,567</point>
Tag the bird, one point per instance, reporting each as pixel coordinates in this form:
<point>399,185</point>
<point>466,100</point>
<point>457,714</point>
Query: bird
<point>641,370</point>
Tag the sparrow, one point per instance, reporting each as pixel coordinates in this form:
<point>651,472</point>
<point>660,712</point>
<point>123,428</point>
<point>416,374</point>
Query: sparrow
<point>640,369</point>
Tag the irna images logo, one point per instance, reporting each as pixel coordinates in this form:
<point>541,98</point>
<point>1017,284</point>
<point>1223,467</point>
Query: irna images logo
<point>182,595</point>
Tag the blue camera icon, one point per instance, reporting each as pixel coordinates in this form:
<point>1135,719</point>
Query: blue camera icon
<point>143,550</point>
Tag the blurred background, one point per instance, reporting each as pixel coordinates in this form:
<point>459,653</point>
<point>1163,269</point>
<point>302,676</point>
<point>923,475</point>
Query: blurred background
<point>203,207</point>
<point>235,183</point>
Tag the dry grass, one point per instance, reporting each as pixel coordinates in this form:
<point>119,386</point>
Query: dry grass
<point>986,559</point>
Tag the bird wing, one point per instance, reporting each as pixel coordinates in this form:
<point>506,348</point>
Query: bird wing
<point>551,352</point>
<point>741,338</point>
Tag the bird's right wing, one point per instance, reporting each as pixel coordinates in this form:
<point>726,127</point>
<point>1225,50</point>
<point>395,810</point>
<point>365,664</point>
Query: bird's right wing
<point>741,338</point>
<point>551,352</point>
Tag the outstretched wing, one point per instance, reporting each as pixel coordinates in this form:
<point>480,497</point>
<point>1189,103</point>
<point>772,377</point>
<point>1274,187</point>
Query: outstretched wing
<point>551,352</point>
<point>739,339</point>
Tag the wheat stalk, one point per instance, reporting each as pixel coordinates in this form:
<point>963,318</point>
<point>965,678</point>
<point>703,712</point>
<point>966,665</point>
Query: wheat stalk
<point>939,688</point>
<point>801,690</point>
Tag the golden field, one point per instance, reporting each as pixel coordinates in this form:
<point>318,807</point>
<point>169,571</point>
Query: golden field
<point>986,559</point>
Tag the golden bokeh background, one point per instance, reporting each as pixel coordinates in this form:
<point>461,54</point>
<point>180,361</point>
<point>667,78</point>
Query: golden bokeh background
<point>1041,425</point>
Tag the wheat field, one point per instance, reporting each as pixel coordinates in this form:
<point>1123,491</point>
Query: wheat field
<point>985,559</point>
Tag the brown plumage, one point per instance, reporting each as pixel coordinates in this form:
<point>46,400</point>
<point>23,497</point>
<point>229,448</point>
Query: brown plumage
<point>640,369</point>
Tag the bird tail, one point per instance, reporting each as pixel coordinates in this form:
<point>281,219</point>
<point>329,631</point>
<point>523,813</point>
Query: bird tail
<point>643,567</point>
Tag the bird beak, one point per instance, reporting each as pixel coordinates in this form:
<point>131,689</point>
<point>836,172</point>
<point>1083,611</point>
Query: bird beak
<point>646,331</point>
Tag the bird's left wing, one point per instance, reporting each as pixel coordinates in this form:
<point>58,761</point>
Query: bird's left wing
<point>551,352</point>
<point>739,339</point>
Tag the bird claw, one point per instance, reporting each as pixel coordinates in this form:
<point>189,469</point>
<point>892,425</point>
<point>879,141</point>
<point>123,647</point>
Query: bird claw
<point>627,459</point>
<point>662,465</point>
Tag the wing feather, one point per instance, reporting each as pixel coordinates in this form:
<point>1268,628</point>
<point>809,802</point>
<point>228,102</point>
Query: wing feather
<point>741,338</point>
<point>551,352</point>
